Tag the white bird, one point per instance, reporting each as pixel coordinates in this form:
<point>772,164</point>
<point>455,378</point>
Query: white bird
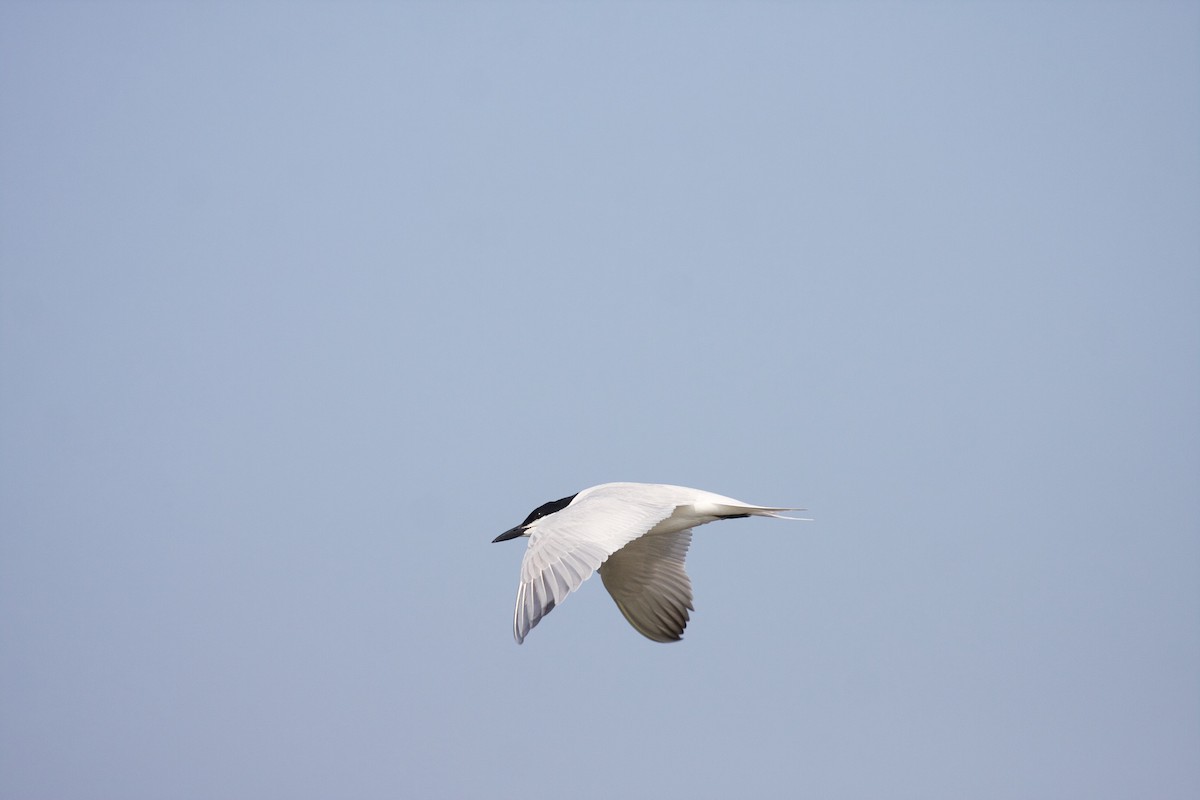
<point>636,534</point>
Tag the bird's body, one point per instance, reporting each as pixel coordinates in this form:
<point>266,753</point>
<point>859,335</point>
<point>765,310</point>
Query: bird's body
<point>637,536</point>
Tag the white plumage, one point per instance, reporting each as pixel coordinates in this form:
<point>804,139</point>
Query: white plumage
<point>636,534</point>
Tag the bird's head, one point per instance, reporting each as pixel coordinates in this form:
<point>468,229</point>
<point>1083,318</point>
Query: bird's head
<point>526,527</point>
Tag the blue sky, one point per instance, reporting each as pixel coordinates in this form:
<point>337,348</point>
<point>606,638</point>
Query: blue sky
<point>302,304</point>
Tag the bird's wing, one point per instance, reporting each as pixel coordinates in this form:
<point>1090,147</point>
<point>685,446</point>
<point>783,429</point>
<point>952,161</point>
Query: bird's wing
<point>647,580</point>
<point>565,548</point>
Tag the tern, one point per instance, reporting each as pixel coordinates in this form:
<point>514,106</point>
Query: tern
<point>636,535</point>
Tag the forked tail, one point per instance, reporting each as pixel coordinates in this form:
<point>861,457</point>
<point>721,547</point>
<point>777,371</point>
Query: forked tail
<point>739,511</point>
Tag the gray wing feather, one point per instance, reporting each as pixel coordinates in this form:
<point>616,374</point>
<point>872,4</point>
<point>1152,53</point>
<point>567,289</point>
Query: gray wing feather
<point>549,574</point>
<point>648,581</point>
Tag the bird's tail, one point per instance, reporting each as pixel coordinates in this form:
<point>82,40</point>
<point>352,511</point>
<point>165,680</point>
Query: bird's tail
<point>728,511</point>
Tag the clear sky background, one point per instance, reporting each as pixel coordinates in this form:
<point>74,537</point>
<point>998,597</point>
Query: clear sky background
<point>301,305</point>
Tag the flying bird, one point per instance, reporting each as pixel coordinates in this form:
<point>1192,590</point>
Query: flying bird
<point>636,535</point>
